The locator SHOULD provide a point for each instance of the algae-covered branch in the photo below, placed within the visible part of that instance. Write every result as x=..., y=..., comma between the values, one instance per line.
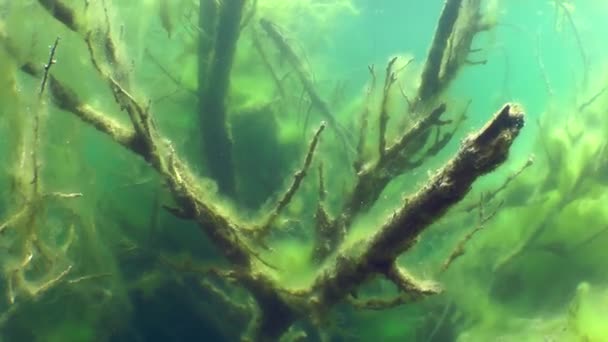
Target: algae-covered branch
x=311, y=199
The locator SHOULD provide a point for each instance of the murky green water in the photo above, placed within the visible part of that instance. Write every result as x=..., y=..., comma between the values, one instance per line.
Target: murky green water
x=224, y=170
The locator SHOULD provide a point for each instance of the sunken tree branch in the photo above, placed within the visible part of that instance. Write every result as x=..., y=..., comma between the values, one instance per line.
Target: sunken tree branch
x=458, y=24
x=214, y=85
x=280, y=307
x=298, y=177
x=460, y=21
x=479, y=154
x=316, y=100
x=445, y=27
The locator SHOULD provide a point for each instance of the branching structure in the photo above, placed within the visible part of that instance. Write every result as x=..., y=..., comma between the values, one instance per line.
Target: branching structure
x=459, y=23
x=316, y=101
x=34, y=265
x=241, y=243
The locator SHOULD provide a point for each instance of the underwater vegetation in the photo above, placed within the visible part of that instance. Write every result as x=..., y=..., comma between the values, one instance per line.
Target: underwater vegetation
x=303, y=170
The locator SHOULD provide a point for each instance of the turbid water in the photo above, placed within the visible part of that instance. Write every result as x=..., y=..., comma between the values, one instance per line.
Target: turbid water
x=303, y=170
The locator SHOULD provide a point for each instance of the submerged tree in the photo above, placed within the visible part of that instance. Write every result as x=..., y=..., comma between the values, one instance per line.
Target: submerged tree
x=342, y=261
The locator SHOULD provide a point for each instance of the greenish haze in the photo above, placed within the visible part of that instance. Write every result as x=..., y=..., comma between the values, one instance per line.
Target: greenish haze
x=91, y=255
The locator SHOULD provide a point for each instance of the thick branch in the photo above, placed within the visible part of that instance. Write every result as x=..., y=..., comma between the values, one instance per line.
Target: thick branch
x=430, y=75
x=459, y=23
x=406, y=283
x=213, y=92
x=62, y=12
x=66, y=99
x=479, y=154
x=207, y=22
x=409, y=288
x=372, y=180
x=181, y=182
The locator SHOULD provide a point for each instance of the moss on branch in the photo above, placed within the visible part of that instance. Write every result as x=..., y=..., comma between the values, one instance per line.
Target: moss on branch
x=298, y=177
x=279, y=307
x=66, y=99
x=479, y=154
x=33, y=265
x=372, y=179
x=460, y=21
x=430, y=74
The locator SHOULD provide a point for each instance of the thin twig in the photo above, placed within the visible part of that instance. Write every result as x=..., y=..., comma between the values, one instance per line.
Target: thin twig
x=308, y=84
x=589, y=102
x=409, y=288
x=380, y=303
x=440, y=322
x=588, y=240
x=389, y=80
x=541, y=66
x=52, y=281
x=13, y=219
x=409, y=102
x=295, y=184
x=322, y=190
x=415, y=131
x=459, y=250
x=258, y=46
x=489, y=196
x=188, y=266
x=326, y=233
x=579, y=42
x=49, y=64
x=166, y=72
x=358, y=164
x=63, y=195
x=88, y=277
x=36, y=145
